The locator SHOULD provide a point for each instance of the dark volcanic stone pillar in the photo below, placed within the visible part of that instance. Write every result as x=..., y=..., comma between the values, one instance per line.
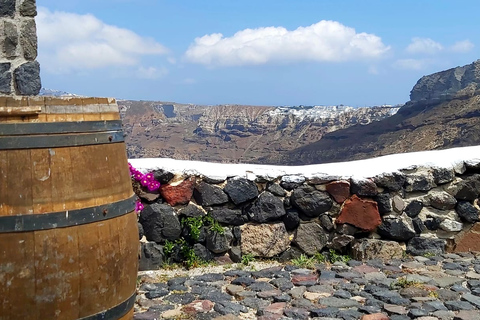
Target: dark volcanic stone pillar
x=19, y=72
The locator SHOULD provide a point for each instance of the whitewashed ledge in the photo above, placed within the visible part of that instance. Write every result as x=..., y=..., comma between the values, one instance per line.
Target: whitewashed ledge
x=455, y=158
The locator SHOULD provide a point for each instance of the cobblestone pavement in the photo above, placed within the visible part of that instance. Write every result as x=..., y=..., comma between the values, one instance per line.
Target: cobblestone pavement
x=424, y=288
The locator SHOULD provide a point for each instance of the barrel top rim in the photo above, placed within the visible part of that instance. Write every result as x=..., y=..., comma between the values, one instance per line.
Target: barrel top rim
x=23, y=101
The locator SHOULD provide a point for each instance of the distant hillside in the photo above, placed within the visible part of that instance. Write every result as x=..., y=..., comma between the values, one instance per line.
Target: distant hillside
x=443, y=112
x=56, y=93
x=232, y=133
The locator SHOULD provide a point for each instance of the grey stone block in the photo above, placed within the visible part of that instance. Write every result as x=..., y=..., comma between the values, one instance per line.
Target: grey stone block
x=5, y=78
x=7, y=8
x=28, y=40
x=28, y=8
x=10, y=41
x=27, y=79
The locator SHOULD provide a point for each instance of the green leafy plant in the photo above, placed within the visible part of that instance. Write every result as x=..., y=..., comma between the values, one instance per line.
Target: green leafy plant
x=333, y=256
x=190, y=258
x=404, y=283
x=168, y=248
x=194, y=225
x=405, y=255
x=139, y=281
x=319, y=257
x=304, y=261
x=247, y=258
x=213, y=224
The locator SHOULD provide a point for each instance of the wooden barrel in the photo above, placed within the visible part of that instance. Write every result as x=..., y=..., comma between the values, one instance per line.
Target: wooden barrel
x=68, y=230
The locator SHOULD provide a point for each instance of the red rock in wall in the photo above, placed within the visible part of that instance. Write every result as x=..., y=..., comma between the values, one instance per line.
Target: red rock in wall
x=178, y=194
x=339, y=190
x=360, y=213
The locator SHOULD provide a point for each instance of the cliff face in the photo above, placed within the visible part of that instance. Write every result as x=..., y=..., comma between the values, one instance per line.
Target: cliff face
x=232, y=133
x=280, y=122
x=444, y=112
x=456, y=83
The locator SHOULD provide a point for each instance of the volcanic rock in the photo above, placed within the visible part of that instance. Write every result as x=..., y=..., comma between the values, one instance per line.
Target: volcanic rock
x=264, y=240
x=310, y=238
x=160, y=223
x=364, y=187
x=241, y=190
x=360, y=213
x=311, y=202
x=178, y=194
x=399, y=229
x=208, y=195
x=339, y=190
x=366, y=249
x=467, y=212
x=418, y=246
x=265, y=208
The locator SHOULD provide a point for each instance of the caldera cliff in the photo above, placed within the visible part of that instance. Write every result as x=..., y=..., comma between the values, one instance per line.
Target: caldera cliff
x=443, y=112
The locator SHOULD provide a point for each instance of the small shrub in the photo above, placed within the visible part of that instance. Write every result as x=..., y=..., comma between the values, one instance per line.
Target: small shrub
x=247, y=258
x=319, y=257
x=194, y=226
x=191, y=259
x=213, y=224
x=168, y=248
x=333, y=256
x=404, y=283
x=304, y=261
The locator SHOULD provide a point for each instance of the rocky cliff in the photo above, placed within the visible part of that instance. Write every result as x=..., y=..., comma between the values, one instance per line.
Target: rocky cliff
x=232, y=133
x=456, y=83
x=444, y=112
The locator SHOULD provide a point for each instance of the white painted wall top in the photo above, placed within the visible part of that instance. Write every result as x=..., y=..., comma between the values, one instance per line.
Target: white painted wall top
x=451, y=158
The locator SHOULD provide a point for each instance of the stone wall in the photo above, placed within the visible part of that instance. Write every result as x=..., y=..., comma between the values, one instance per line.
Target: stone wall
x=420, y=209
x=19, y=72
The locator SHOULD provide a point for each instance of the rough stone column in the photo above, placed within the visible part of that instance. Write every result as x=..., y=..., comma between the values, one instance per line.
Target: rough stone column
x=19, y=72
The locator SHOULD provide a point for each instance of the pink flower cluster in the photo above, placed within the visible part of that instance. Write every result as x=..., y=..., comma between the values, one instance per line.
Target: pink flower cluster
x=139, y=206
x=146, y=180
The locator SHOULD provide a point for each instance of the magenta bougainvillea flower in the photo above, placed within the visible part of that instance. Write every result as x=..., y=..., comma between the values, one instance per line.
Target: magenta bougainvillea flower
x=139, y=206
x=149, y=176
x=146, y=180
x=138, y=175
x=153, y=185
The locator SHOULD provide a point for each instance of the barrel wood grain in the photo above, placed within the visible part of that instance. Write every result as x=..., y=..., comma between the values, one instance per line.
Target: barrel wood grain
x=72, y=272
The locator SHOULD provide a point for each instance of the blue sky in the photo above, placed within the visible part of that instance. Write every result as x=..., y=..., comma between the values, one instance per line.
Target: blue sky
x=268, y=52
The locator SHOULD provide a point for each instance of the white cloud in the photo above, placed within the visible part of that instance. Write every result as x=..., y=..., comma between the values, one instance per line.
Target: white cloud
x=462, y=46
x=323, y=41
x=412, y=64
x=73, y=42
x=424, y=46
x=151, y=72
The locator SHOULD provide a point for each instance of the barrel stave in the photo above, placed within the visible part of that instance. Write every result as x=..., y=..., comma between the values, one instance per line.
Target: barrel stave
x=75, y=271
